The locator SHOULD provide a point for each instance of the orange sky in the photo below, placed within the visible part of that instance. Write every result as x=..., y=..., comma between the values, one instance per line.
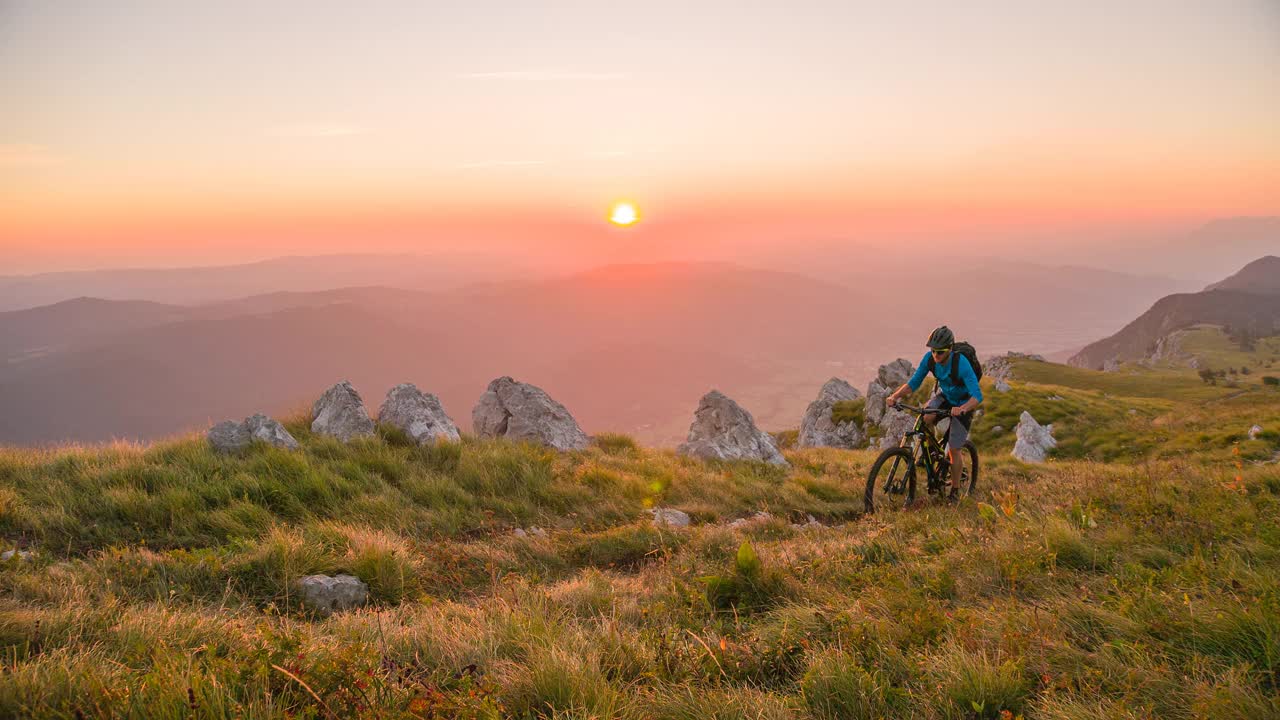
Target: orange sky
x=156, y=133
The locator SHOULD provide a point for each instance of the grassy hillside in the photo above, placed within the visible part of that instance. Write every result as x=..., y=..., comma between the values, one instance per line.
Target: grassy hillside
x=1148, y=587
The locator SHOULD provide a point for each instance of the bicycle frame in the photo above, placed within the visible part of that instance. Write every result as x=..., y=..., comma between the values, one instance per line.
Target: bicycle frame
x=926, y=450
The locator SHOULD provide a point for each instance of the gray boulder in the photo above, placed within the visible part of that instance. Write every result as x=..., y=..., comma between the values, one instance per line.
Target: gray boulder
x=522, y=412
x=888, y=378
x=21, y=555
x=267, y=430
x=229, y=436
x=340, y=412
x=327, y=595
x=722, y=429
x=894, y=425
x=1002, y=385
x=1034, y=440
x=420, y=415
x=670, y=517
x=818, y=430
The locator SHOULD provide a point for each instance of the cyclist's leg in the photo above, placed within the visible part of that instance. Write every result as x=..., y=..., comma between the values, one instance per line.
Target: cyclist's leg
x=957, y=435
x=938, y=401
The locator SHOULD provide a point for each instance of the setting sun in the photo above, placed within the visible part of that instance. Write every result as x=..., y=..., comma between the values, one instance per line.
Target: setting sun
x=624, y=214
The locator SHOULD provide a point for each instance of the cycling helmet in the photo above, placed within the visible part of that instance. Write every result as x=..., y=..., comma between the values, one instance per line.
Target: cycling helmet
x=941, y=338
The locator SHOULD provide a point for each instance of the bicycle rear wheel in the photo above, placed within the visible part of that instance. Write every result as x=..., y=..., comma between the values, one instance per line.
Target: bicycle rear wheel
x=891, y=482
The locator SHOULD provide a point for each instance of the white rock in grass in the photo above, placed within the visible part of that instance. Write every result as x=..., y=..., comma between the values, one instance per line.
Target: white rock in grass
x=1034, y=440
x=670, y=517
x=340, y=412
x=1002, y=385
x=269, y=431
x=327, y=595
x=520, y=411
x=229, y=436
x=21, y=555
x=1254, y=432
x=723, y=430
x=420, y=415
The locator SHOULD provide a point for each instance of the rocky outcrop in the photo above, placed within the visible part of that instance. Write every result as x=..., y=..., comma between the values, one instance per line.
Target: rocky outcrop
x=817, y=429
x=1034, y=440
x=420, y=415
x=340, y=412
x=522, y=412
x=723, y=430
x=888, y=378
x=326, y=595
x=887, y=424
x=229, y=436
x=1000, y=367
x=269, y=431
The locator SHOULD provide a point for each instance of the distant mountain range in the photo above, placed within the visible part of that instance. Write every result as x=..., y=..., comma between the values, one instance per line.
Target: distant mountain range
x=190, y=285
x=626, y=347
x=1248, y=299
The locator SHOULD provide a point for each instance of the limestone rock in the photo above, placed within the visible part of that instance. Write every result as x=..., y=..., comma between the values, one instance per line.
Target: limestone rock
x=1002, y=385
x=894, y=425
x=817, y=428
x=670, y=517
x=1034, y=440
x=327, y=595
x=533, y=532
x=340, y=412
x=888, y=378
x=229, y=436
x=267, y=430
x=722, y=429
x=997, y=429
x=420, y=415
x=523, y=412
x=21, y=555
x=1254, y=432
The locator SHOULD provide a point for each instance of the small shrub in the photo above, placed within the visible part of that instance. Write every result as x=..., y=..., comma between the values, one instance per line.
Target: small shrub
x=1270, y=380
x=849, y=411
x=749, y=586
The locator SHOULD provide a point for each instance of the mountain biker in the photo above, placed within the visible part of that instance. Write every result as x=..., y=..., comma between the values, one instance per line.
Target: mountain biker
x=960, y=395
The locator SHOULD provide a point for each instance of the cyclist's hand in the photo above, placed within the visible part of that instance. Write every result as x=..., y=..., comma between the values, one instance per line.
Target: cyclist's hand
x=957, y=411
x=891, y=402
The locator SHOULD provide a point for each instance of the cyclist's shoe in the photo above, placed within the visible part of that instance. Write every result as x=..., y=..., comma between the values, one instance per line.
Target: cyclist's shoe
x=952, y=492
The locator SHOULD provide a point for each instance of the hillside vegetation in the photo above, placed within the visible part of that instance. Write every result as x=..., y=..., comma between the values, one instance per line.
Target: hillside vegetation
x=160, y=584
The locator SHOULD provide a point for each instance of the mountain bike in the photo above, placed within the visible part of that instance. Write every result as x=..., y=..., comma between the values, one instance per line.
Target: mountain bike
x=892, y=480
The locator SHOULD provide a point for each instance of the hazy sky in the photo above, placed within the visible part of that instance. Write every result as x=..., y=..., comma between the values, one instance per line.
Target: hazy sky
x=176, y=131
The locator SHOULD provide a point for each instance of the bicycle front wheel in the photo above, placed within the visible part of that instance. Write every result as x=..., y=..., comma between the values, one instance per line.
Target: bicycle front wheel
x=892, y=481
x=969, y=480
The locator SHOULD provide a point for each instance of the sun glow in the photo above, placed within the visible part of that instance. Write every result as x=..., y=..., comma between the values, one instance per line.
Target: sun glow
x=624, y=214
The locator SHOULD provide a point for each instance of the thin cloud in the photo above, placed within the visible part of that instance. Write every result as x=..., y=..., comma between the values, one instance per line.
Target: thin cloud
x=484, y=164
x=541, y=75
x=316, y=130
x=27, y=155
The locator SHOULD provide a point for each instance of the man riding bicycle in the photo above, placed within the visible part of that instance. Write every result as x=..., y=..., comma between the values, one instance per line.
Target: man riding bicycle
x=958, y=392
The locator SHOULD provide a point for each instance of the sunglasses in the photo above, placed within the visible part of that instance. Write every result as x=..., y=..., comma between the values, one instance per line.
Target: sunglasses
x=941, y=352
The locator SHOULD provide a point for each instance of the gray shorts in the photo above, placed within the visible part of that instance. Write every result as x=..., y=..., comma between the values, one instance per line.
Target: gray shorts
x=959, y=424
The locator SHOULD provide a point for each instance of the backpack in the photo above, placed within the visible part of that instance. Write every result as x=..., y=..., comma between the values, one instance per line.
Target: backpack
x=967, y=350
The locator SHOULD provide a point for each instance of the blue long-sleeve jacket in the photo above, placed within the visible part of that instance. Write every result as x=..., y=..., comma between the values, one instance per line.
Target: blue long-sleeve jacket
x=955, y=394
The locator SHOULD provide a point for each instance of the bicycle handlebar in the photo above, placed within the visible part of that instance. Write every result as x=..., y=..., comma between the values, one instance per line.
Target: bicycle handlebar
x=921, y=411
